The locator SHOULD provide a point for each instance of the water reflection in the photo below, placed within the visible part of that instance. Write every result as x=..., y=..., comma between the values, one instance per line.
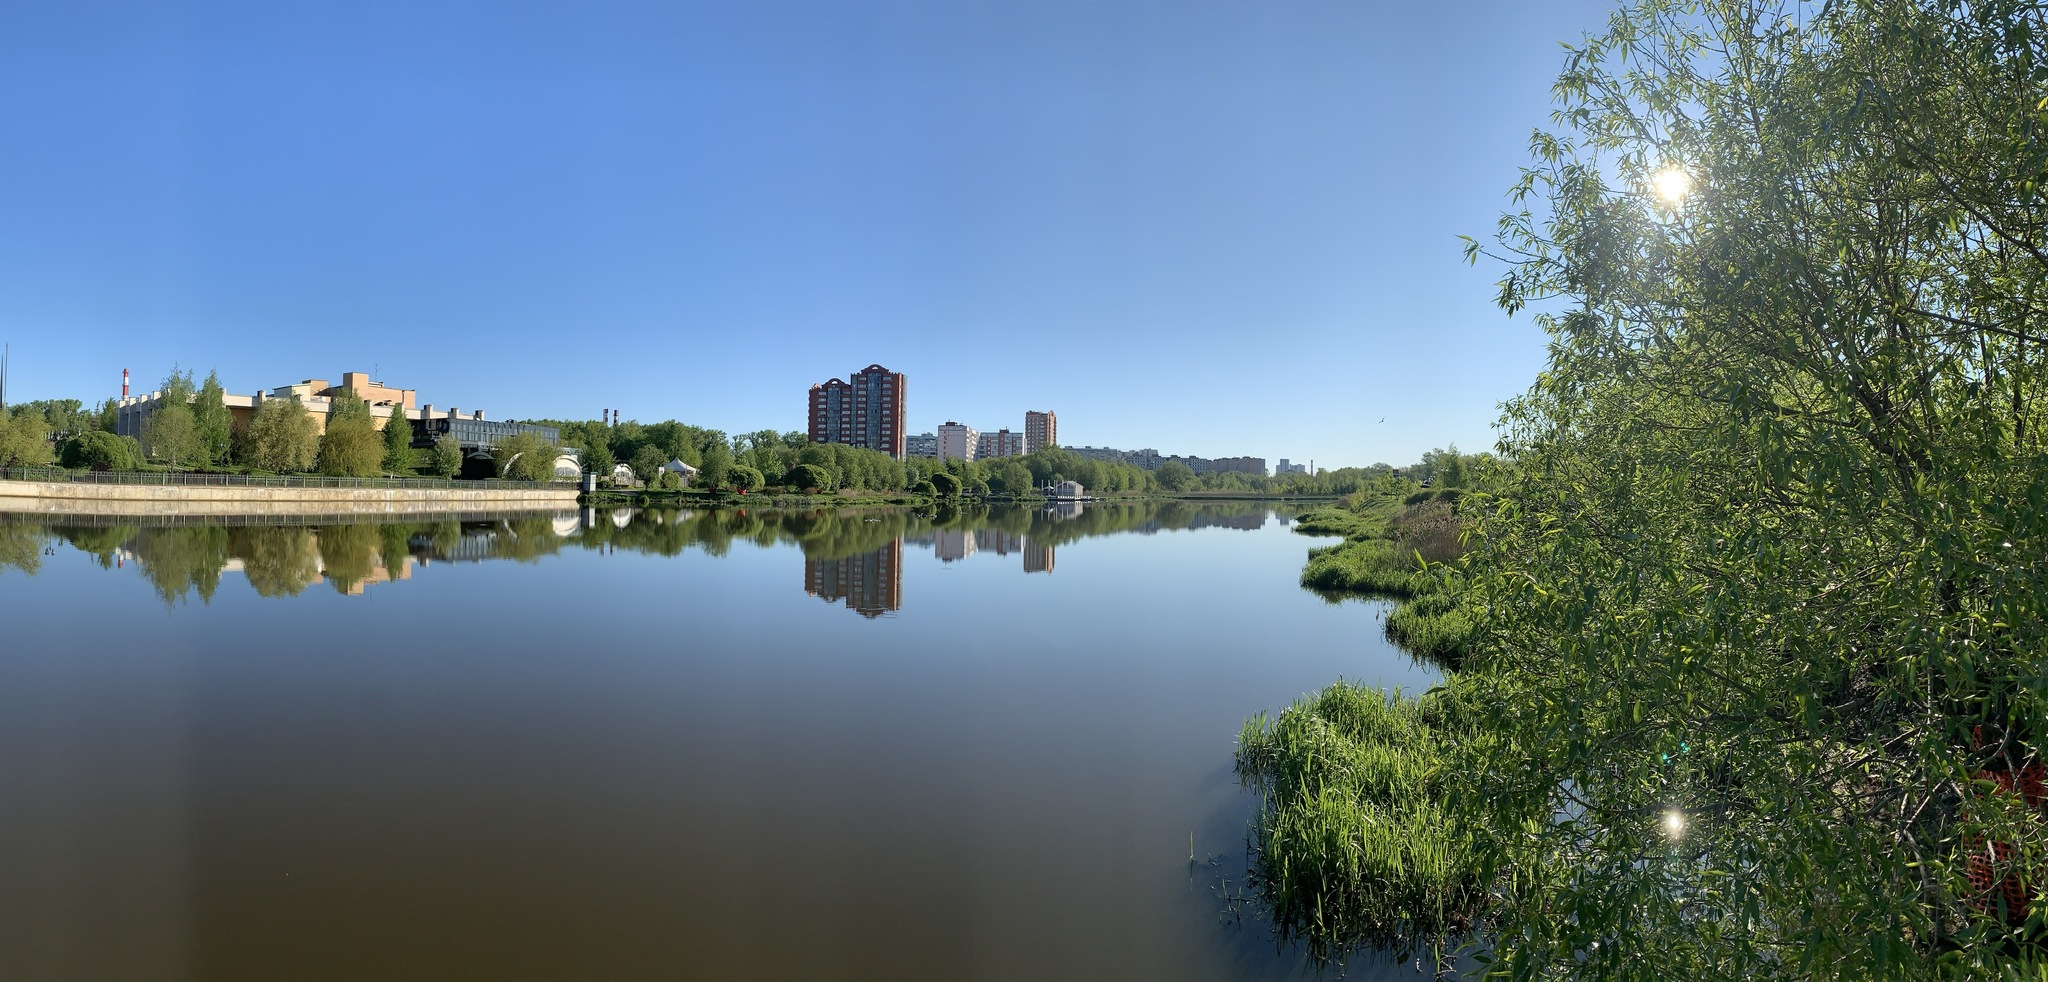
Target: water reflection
x=853, y=556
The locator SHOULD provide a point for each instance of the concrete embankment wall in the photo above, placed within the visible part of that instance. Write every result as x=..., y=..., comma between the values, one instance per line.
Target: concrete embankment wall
x=58, y=497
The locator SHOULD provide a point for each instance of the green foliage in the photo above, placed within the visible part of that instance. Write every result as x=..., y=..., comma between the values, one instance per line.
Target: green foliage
x=171, y=436
x=945, y=485
x=1174, y=476
x=526, y=457
x=808, y=477
x=647, y=463
x=281, y=436
x=745, y=478
x=1353, y=845
x=715, y=469
x=351, y=447
x=397, y=435
x=445, y=460
x=671, y=481
x=101, y=450
x=214, y=423
x=1754, y=627
x=598, y=459
x=24, y=438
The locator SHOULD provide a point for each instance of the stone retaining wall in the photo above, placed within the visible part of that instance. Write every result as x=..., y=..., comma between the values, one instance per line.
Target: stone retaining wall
x=62, y=497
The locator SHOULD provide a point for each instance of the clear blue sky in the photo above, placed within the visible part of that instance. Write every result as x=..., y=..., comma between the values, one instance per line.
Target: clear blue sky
x=1208, y=228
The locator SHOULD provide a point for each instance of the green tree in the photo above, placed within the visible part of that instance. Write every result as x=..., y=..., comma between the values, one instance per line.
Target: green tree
x=647, y=463
x=746, y=478
x=808, y=477
x=716, y=467
x=598, y=459
x=171, y=436
x=398, y=455
x=1173, y=476
x=109, y=416
x=946, y=485
x=281, y=436
x=446, y=457
x=101, y=450
x=526, y=456
x=351, y=447
x=210, y=417
x=1763, y=630
x=24, y=438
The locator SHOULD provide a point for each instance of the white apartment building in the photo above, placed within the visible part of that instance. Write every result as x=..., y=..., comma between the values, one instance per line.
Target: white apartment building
x=956, y=440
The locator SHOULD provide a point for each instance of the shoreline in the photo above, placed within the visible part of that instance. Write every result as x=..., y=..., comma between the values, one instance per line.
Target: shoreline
x=55, y=497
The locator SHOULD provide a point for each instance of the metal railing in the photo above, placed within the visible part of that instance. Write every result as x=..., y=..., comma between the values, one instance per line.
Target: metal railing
x=199, y=479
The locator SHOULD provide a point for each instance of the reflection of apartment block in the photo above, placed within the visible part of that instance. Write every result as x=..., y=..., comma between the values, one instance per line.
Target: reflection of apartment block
x=870, y=583
x=921, y=445
x=957, y=441
x=997, y=541
x=952, y=545
x=1037, y=557
x=864, y=411
x=1001, y=443
x=1041, y=430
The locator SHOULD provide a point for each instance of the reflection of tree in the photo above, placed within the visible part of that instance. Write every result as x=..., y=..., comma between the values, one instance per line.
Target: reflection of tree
x=280, y=562
x=349, y=553
x=181, y=560
x=21, y=546
x=99, y=542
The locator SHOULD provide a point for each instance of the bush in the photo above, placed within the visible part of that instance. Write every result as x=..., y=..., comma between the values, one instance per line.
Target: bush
x=809, y=477
x=102, y=451
x=945, y=485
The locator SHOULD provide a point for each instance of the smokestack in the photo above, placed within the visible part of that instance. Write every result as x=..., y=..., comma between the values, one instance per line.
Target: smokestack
x=124, y=383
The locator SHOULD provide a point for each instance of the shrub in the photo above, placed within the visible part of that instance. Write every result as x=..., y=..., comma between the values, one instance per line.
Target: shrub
x=102, y=451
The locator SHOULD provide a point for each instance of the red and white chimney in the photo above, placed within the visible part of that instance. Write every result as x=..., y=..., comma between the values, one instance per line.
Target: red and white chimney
x=124, y=383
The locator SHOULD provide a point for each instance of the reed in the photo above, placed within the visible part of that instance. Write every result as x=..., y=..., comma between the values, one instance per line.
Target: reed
x=1349, y=848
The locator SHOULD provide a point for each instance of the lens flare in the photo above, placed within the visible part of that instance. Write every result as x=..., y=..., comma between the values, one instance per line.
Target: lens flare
x=1672, y=184
x=1674, y=823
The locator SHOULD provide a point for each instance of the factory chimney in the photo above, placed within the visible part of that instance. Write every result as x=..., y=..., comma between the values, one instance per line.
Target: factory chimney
x=124, y=383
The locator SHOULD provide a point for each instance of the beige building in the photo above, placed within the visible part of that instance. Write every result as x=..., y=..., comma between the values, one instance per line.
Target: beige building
x=315, y=394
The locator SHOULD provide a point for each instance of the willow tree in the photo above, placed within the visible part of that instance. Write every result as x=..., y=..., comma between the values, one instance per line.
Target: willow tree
x=1767, y=632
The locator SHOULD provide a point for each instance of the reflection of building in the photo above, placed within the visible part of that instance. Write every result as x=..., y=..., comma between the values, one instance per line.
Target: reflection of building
x=1001, y=443
x=871, y=583
x=997, y=541
x=957, y=441
x=866, y=411
x=1041, y=430
x=953, y=544
x=1037, y=557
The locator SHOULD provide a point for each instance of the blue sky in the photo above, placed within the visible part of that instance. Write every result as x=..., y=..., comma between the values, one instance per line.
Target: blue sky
x=1208, y=228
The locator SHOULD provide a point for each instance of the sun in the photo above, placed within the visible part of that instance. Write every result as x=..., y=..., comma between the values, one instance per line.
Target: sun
x=1672, y=184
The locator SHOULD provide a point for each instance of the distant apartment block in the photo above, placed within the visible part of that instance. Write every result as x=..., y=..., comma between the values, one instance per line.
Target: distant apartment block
x=1041, y=430
x=1151, y=460
x=865, y=411
x=1001, y=443
x=921, y=445
x=958, y=441
x=1283, y=467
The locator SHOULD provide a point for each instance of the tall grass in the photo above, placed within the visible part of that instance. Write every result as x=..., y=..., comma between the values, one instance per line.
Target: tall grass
x=1349, y=848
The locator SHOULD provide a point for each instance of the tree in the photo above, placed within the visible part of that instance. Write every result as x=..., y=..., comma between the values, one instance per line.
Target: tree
x=746, y=478
x=808, y=477
x=24, y=438
x=398, y=455
x=1175, y=476
x=647, y=463
x=526, y=456
x=281, y=436
x=171, y=436
x=210, y=417
x=716, y=467
x=1762, y=636
x=946, y=485
x=351, y=447
x=598, y=459
x=446, y=457
x=109, y=416
x=101, y=450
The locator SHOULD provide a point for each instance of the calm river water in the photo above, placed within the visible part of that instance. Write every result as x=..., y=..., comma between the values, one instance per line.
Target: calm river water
x=654, y=745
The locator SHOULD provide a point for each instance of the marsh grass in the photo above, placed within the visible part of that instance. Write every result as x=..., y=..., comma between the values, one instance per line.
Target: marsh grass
x=1349, y=848
x=1399, y=548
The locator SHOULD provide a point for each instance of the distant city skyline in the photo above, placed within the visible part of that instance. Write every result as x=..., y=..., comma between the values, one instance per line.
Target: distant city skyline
x=690, y=211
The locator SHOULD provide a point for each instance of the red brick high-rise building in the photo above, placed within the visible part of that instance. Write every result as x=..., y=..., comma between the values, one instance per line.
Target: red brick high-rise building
x=866, y=411
x=1041, y=430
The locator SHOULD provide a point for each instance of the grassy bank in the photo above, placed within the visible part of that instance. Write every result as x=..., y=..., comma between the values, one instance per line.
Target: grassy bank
x=1397, y=547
